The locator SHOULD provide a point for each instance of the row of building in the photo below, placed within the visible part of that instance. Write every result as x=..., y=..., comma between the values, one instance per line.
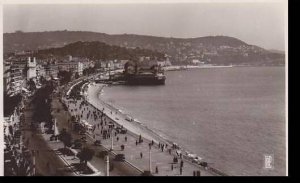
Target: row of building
x=18, y=71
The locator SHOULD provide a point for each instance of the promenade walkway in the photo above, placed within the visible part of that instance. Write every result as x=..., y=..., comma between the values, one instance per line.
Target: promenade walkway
x=62, y=117
x=162, y=160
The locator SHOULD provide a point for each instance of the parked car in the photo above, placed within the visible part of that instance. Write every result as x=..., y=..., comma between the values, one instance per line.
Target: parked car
x=97, y=143
x=123, y=131
x=120, y=157
x=128, y=118
x=203, y=163
x=77, y=144
x=197, y=160
x=191, y=156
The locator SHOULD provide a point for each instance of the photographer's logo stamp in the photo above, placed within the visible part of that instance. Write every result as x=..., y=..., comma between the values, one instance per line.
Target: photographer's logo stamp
x=269, y=161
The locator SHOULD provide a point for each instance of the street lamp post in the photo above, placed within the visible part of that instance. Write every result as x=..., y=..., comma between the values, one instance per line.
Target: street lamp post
x=112, y=140
x=150, y=168
x=33, y=162
x=107, y=165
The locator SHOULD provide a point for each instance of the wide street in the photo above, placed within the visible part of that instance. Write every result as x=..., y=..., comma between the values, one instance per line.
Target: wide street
x=44, y=154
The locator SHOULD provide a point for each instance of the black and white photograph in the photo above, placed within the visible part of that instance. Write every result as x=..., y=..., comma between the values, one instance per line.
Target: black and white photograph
x=139, y=88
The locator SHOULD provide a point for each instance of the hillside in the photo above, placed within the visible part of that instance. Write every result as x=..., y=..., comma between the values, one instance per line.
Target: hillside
x=210, y=49
x=98, y=50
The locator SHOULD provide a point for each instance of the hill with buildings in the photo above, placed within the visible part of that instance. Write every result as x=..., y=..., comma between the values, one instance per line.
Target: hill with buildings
x=210, y=49
x=98, y=51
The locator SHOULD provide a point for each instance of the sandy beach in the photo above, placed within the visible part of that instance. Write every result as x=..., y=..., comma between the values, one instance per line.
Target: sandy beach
x=93, y=96
x=162, y=157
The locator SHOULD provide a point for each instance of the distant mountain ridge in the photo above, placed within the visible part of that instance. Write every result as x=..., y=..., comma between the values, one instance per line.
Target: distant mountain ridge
x=210, y=49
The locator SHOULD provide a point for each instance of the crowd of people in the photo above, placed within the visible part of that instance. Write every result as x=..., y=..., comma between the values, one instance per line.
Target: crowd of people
x=81, y=109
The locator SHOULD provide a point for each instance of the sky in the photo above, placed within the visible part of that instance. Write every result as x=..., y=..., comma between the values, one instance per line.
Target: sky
x=260, y=24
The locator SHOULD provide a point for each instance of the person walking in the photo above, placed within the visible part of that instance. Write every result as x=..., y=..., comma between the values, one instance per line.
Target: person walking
x=125, y=138
x=156, y=170
x=48, y=165
x=172, y=167
x=141, y=154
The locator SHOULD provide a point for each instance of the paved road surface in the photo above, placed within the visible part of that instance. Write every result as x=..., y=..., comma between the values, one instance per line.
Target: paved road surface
x=45, y=154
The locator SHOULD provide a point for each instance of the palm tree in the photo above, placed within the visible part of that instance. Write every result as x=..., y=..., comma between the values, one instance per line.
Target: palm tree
x=85, y=155
x=66, y=138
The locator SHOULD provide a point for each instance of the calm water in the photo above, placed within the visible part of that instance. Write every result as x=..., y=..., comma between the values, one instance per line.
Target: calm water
x=231, y=117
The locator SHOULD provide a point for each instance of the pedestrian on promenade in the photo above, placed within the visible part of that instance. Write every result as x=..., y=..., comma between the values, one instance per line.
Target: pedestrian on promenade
x=141, y=154
x=172, y=167
x=181, y=164
x=125, y=138
x=136, y=142
x=180, y=170
x=48, y=165
x=156, y=169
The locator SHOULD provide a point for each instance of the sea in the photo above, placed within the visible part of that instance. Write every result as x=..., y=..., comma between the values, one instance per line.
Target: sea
x=233, y=118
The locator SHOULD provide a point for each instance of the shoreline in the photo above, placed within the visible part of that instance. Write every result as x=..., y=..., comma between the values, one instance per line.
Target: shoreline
x=188, y=67
x=157, y=138
x=135, y=122
x=139, y=125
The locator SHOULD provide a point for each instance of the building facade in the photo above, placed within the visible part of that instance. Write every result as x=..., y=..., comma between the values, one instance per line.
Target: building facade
x=6, y=77
x=31, y=72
